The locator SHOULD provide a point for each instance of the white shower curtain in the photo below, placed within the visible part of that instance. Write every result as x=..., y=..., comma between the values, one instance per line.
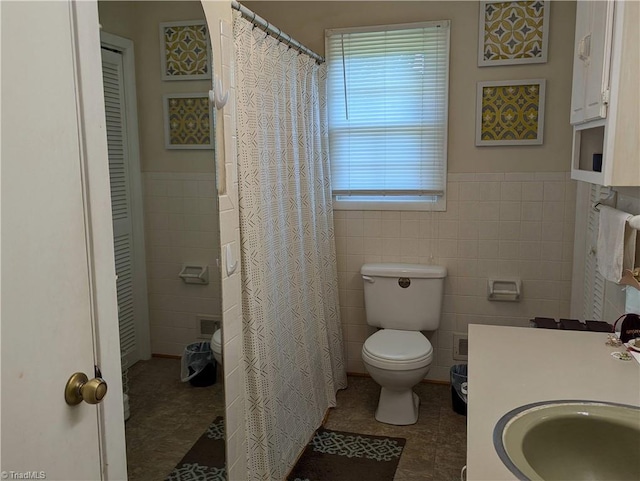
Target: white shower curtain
x=292, y=337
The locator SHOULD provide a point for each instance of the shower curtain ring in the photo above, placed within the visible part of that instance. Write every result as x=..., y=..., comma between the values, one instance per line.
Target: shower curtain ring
x=279, y=33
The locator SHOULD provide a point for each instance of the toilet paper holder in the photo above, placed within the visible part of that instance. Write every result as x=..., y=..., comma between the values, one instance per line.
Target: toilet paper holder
x=191, y=274
x=504, y=290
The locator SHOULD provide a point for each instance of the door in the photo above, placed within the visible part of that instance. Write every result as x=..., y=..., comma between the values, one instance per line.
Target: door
x=583, y=28
x=594, y=29
x=126, y=200
x=58, y=282
x=597, y=81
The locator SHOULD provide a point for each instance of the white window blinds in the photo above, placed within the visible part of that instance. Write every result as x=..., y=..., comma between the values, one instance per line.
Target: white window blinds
x=387, y=99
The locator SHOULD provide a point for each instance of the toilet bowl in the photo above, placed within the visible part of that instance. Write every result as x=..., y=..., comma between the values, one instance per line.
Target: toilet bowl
x=216, y=346
x=401, y=300
x=397, y=361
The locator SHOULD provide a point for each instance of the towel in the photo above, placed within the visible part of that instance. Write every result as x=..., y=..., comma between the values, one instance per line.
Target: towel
x=616, y=249
x=634, y=354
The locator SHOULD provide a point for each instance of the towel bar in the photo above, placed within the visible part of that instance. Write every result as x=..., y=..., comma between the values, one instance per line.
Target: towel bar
x=634, y=221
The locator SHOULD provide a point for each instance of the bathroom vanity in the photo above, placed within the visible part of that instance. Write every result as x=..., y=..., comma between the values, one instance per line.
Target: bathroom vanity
x=510, y=367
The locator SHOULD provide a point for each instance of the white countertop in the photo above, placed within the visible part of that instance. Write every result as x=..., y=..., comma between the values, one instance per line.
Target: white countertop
x=513, y=366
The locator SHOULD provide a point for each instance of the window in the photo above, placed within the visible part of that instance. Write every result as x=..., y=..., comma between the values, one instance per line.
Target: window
x=387, y=100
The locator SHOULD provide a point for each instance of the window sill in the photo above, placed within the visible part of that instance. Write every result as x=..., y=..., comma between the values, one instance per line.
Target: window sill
x=439, y=206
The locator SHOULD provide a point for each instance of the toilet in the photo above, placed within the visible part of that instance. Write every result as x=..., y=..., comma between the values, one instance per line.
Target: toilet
x=216, y=346
x=402, y=300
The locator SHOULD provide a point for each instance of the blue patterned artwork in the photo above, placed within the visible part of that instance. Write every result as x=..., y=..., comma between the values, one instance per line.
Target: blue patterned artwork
x=185, y=52
x=510, y=112
x=188, y=121
x=513, y=32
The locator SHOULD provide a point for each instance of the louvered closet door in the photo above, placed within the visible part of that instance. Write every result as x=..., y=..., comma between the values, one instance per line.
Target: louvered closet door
x=594, y=283
x=112, y=73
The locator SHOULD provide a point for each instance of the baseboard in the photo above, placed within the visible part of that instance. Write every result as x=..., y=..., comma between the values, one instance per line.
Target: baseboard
x=357, y=374
x=425, y=381
x=166, y=356
x=435, y=381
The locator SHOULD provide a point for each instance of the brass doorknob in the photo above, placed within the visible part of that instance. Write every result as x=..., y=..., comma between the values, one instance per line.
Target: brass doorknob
x=79, y=388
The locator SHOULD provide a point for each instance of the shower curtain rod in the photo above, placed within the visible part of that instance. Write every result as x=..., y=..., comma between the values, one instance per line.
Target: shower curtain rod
x=274, y=31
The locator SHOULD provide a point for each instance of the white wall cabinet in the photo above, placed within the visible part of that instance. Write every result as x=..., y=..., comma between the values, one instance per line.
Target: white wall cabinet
x=594, y=29
x=605, y=103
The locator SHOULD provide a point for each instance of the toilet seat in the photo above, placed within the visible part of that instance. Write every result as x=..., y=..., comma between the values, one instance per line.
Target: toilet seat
x=216, y=341
x=216, y=345
x=397, y=350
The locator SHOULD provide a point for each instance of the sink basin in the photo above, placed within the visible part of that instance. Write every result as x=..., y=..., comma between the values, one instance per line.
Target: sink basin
x=570, y=440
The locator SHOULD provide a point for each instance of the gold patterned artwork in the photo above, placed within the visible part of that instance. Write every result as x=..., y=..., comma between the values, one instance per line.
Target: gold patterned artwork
x=510, y=112
x=188, y=122
x=185, y=55
x=513, y=32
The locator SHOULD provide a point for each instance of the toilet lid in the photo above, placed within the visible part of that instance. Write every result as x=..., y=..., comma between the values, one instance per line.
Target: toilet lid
x=393, y=349
x=216, y=339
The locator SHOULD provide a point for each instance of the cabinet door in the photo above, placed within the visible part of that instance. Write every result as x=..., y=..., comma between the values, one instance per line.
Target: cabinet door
x=583, y=29
x=599, y=50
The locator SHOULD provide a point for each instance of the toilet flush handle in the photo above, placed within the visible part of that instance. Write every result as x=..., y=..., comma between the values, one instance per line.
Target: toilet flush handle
x=368, y=279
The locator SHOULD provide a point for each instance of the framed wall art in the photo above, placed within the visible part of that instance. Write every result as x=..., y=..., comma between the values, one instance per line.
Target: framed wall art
x=185, y=52
x=512, y=33
x=188, y=121
x=510, y=112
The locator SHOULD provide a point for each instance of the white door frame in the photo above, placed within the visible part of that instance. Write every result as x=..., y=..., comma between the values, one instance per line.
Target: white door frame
x=125, y=47
x=86, y=43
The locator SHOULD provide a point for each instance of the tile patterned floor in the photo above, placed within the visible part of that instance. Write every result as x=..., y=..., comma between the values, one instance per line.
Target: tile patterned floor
x=436, y=444
x=167, y=417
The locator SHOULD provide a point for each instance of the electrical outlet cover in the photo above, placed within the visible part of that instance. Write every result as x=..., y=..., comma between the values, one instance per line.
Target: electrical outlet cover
x=460, y=346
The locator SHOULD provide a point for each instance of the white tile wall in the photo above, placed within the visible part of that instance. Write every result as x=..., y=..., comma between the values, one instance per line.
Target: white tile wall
x=231, y=284
x=499, y=224
x=181, y=228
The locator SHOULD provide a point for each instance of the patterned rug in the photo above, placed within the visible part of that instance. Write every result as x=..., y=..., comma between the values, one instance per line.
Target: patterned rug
x=340, y=456
x=205, y=461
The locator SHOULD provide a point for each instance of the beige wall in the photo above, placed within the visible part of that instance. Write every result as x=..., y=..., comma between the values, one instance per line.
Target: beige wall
x=139, y=21
x=118, y=18
x=180, y=204
x=306, y=22
x=510, y=210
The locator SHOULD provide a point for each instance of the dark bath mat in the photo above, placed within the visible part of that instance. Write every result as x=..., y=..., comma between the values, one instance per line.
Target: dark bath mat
x=341, y=456
x=206, y=459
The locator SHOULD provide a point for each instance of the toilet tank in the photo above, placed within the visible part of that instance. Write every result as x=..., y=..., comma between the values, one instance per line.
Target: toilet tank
x=403, y=296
